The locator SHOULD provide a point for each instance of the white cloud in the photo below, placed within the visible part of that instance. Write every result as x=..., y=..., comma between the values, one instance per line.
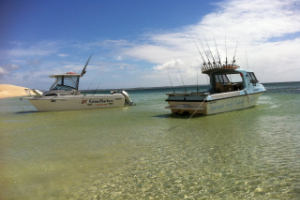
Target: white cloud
x=63, y=55
x=256, y=22
x=7, y=69
x=43, y=48
x=172, y=64
x=3, y=71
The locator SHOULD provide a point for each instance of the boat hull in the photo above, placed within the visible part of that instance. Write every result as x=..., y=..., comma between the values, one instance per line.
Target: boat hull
x=77, y=103
x=214, y=106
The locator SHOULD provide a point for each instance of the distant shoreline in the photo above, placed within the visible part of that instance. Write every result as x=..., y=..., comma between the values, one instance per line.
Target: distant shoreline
x=7, y=90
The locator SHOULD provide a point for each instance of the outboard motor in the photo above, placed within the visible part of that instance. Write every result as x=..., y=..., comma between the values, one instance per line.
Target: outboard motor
x=127, y=99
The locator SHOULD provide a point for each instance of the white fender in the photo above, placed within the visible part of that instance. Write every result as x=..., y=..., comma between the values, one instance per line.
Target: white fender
x=37, y=92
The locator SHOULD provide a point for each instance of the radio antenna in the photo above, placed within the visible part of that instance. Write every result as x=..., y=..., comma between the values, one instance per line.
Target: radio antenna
x=233, y=61
x=217, y=51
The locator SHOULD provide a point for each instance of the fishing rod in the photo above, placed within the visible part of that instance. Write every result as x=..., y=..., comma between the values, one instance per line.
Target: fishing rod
x=247, y=61
x=233, y=61
x=182, y=80
x=209, y=64
x=170, y=81
x=86, y=64
x=217, y=51
x=197, y=80
x=90, y=85
x=226, y=51
x=204, y=63
x=210, y=52
x=98, y=86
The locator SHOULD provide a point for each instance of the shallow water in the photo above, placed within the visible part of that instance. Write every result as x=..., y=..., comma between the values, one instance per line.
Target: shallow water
x=144, y=152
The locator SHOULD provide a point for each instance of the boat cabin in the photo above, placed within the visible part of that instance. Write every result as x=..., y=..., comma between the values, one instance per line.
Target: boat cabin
x=64, y=84
x=229, y=79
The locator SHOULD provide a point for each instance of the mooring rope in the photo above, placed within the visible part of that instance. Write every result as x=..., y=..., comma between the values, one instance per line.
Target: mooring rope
x=198, y=108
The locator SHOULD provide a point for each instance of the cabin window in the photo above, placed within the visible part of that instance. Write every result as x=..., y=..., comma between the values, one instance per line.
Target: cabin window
x=70, y=81
x=252, y=77
x=225, y=79
x=221, y=78
x=60, y=81
x=235, y=78
x=217, y=79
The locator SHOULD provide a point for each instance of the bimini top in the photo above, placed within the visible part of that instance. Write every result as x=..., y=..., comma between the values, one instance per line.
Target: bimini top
x=207, y=69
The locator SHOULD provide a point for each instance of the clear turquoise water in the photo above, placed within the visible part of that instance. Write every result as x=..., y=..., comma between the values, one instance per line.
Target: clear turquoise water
x=144, y=152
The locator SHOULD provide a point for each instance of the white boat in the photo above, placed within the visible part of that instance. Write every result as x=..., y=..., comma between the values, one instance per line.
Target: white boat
x=231, y=88
x=64, y=95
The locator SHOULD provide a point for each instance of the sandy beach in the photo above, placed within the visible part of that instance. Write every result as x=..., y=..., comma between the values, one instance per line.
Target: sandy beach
x=11, y=91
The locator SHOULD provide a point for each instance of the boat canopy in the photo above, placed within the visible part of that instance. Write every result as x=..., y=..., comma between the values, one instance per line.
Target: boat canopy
x=65, y=81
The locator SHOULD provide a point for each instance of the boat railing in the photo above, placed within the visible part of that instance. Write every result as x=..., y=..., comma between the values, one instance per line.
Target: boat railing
x=207, y=68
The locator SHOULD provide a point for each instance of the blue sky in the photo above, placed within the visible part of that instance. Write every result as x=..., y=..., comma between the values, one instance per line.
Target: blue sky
x=134, y=42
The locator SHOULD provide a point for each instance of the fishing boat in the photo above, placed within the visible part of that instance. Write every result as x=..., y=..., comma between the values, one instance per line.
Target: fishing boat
x=64, y=94
x=231, y=88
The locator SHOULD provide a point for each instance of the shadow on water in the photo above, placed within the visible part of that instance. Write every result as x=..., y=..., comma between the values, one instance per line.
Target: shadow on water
x=27, y=112
x=179, y=116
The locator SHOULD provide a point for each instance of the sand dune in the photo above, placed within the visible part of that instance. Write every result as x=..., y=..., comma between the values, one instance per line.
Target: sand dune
x=11, y=91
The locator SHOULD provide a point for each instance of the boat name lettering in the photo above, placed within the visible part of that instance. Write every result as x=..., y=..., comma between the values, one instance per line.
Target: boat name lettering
x=83, y=101
x=101, y=101
x=216, y=107
x=239, y=102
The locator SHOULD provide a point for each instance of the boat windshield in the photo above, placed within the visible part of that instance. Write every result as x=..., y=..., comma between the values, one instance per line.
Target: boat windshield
x=66, y=82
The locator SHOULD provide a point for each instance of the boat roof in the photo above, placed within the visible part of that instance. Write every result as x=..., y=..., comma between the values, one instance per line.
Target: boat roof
x=70, y=74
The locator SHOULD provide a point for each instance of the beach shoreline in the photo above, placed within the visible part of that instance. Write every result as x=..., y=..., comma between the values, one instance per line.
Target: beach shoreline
x=7, y=90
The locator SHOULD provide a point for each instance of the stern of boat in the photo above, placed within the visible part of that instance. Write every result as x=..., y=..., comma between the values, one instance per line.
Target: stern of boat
x=191, y=103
